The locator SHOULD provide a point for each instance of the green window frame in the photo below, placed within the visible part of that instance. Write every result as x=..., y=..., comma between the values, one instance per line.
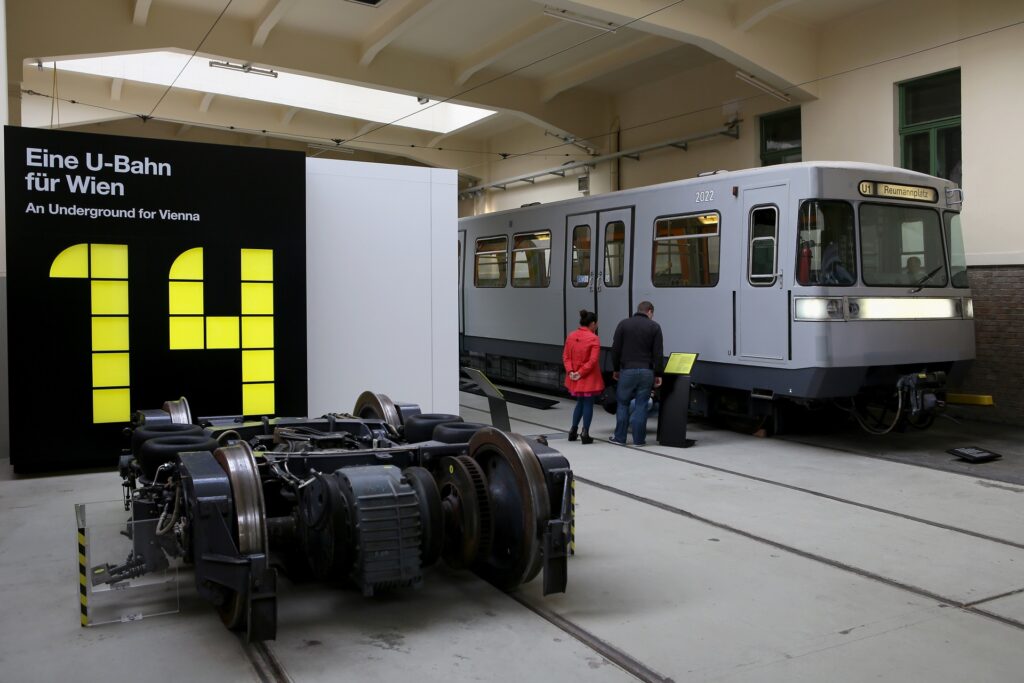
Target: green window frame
x=775, y=147
x=932, y=144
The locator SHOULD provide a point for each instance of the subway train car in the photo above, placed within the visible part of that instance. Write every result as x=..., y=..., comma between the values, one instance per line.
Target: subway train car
x=815, y=283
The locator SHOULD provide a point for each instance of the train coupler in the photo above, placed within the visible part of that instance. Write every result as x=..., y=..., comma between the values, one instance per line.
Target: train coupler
x=923, y=393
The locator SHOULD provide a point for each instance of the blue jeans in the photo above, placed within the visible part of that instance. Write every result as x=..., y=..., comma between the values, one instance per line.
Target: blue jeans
x=634, y=383
x=584, y=409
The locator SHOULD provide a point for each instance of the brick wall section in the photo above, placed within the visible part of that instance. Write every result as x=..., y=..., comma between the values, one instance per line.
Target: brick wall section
x=999, y=333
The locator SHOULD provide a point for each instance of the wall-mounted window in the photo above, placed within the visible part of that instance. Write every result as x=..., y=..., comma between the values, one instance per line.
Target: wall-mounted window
x=531, y=259
x=826, y=251
x=929, y=125
x=781, y=141
x=491, y=262
x=581, y=256
x=614, y=253
x=686, y=251
x=764, y=235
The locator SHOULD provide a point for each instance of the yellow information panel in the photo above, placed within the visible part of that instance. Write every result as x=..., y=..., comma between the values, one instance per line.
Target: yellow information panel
x=680, y=363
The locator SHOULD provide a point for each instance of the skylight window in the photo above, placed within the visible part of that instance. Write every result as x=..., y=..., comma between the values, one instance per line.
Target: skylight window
x=293, y=90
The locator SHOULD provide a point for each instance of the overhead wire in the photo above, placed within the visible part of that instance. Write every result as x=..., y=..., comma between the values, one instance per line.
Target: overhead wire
x=187, y=62
x=503, y=156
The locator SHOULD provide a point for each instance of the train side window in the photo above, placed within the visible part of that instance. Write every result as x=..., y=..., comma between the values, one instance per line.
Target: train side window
x=686, y=251
x=955, y=244
x=581, y=256
x=825, y=252
x=531, y=259
x=491, y=262
x=764, y=233
x=614, y=253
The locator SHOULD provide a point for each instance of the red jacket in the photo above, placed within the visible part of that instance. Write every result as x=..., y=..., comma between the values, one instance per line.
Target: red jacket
x=581, y=354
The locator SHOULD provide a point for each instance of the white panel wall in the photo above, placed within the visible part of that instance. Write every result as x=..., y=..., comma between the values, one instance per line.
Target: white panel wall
x=382, y=284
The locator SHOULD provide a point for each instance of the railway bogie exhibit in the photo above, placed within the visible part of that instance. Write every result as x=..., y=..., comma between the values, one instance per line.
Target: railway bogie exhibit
x=370, y=499
x=811, y=283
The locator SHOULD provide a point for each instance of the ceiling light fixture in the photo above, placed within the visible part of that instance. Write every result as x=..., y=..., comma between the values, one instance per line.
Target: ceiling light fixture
x=572, y=17
x=762, y=86
x=247, y=67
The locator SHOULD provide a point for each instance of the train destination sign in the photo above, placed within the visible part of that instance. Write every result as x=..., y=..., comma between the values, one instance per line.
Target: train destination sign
x=912, y=193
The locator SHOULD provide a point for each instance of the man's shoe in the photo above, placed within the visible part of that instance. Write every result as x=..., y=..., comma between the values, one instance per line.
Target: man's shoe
x=640, y=444
x=572, y=434
x=612, y=439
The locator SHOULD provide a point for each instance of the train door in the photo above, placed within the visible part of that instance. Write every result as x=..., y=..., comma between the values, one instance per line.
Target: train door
x=761, y=321
x=580, y=268
x=613, y=268
x=462, y=277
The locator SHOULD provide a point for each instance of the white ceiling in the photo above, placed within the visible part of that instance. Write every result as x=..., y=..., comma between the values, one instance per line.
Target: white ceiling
x=501, y=54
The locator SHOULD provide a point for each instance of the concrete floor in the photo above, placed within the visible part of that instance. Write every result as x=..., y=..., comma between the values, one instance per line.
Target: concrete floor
x=740, y=559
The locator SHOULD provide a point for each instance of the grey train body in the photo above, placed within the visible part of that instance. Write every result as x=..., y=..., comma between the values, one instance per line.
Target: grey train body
x=770, y=323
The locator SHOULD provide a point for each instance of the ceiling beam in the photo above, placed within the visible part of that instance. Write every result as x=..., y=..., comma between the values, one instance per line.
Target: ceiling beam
x=394, y=26
x=140, y=12
x=272, y=13
x=115, y=88
x=288, y=115
x=182, y=129
x=204, y=105
x=746, y=14
x=504, y=45
x=588, y=70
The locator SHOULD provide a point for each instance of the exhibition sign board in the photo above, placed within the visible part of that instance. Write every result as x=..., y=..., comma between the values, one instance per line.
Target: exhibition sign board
x=143, y=270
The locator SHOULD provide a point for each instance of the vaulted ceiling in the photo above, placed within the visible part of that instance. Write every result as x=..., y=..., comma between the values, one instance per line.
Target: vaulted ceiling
x=516, y=57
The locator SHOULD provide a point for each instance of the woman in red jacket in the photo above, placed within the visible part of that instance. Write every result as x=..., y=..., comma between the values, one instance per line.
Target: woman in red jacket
x=583, y=373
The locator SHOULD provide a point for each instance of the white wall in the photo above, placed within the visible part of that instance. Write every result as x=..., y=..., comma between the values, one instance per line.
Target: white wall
x=855, y=117
x=382, y=290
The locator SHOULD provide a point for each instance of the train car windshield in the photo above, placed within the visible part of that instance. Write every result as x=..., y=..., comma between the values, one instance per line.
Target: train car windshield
x=826, y=254
x=901, y=245
x=957, y=256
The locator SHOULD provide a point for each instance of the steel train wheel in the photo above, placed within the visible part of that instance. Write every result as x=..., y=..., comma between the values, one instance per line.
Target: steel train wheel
x=250, y=519
x=371, y=405
x=179, y=411
x=467, y=511
x=520, y=504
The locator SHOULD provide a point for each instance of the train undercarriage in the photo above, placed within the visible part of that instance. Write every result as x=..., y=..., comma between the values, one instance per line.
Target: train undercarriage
x=371, y=499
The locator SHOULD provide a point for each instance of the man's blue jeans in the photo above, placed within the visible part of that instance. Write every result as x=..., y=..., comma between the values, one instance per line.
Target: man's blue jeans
x=634, y=383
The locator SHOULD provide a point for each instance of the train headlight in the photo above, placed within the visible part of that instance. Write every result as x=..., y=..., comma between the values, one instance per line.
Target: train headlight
x=819, y=308
x=903, y=308
x=968, y=308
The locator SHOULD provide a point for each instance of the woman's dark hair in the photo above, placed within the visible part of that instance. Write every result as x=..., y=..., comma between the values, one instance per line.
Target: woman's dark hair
x=587, y=317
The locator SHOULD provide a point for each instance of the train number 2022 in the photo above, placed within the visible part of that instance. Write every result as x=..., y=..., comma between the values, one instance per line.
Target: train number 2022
x=705, y=196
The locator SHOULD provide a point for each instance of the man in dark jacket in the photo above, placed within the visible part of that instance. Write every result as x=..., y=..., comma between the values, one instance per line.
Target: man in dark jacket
x=637, y=357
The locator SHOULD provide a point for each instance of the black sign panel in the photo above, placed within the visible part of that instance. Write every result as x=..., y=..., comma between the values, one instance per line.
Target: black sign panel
x=144, y=270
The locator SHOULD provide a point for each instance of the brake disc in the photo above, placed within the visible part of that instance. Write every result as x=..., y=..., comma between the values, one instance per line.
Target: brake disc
x=519, y=505
x=467, y=511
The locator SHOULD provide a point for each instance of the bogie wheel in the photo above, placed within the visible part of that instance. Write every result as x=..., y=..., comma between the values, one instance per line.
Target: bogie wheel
x=520, y=507
x=370, y=405
x=250, y=523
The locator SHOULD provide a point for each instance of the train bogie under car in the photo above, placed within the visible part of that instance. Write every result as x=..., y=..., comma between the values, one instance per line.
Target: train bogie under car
x=371, y=499
x=810, y=282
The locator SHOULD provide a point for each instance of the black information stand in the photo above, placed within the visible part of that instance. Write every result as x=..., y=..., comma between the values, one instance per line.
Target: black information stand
x=495, y=399
x=675, y=401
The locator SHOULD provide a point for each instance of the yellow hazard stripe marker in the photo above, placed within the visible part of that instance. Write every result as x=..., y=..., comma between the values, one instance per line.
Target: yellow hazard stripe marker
x=970, y=399
x=83, y=586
